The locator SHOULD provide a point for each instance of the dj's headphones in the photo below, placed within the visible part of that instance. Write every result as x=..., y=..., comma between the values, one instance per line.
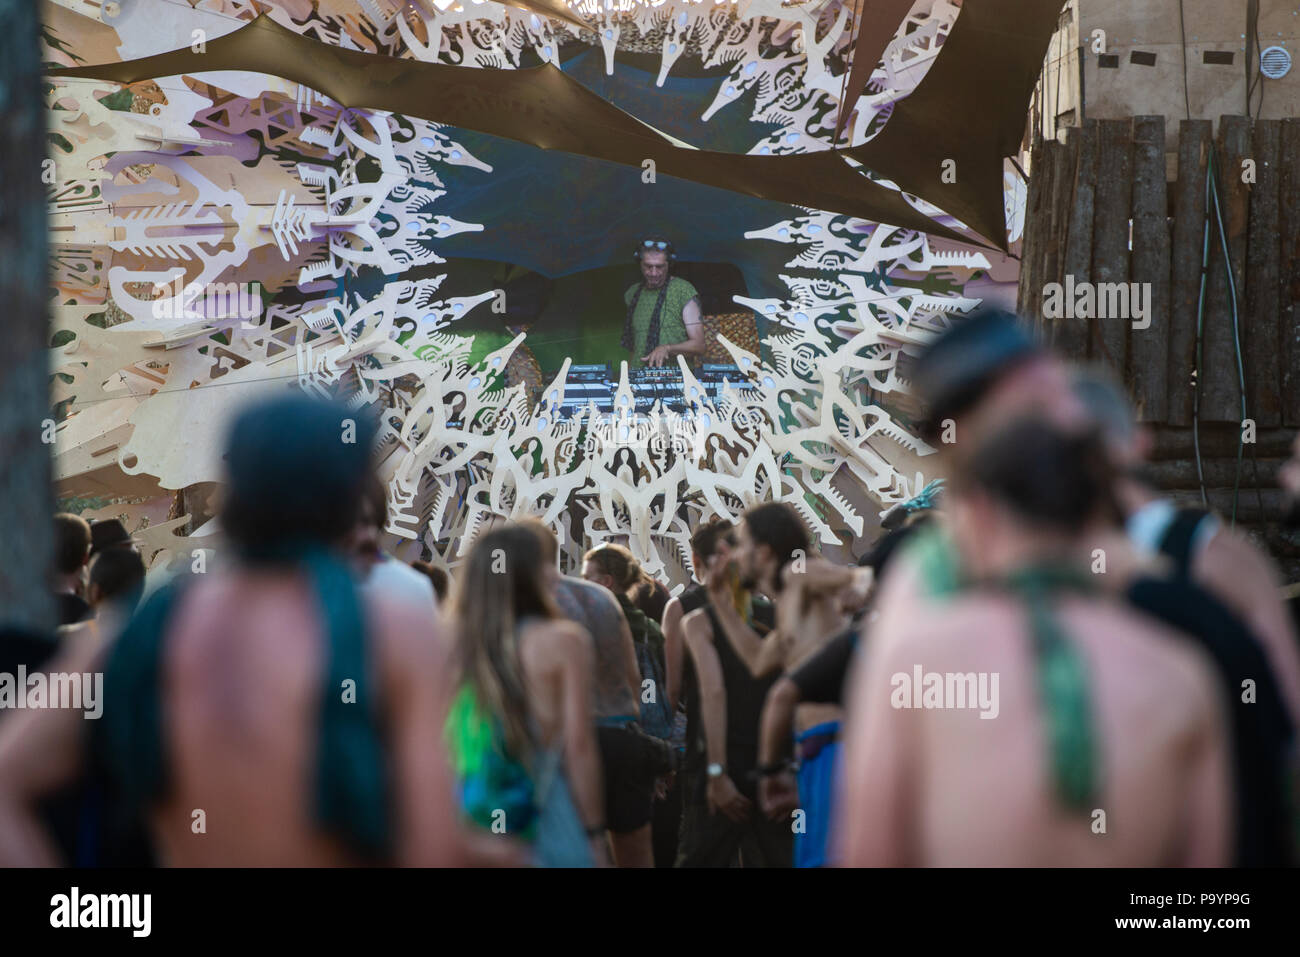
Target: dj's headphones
x=660, y=244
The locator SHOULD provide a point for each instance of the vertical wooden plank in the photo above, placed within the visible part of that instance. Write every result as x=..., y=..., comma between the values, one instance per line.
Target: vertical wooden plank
x=1150, y=268
x=1051, y=170
x=1260, y=327
x=1289, y=269
x=1029, y=293
x=1072, y=334
x=1110, y=238
x=1059, y=223
x=1185, y=255
x=1220, y=388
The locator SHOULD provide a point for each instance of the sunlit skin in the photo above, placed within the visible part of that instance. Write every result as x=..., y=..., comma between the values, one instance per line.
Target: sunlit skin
x=654, y=270
x=945, y=788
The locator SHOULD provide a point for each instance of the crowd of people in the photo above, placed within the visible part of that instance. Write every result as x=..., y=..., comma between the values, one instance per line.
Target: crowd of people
x=1041, y=661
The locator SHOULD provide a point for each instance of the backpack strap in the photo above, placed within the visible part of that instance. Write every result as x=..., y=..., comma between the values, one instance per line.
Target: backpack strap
x=352, y=787
x=1179, y=538
x=130, y=734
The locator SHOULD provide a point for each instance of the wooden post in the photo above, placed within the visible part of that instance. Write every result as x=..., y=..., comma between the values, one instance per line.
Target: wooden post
x=1072, y=334
x=1110, y=236
x=1149, y=346
x=1220, y=387
x=1260, y=330
x=1289, y=269
x=26, y=528
x=1185, y=255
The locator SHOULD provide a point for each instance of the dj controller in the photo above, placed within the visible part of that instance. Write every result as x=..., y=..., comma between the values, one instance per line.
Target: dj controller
x=599, y=383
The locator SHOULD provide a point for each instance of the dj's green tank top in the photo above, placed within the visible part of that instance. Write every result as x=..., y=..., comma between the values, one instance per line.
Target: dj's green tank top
x=1061, y=671
x=351, y=786
x=672, y=327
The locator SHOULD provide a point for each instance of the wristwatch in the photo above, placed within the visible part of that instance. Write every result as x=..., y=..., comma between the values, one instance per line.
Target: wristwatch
x=716, y=770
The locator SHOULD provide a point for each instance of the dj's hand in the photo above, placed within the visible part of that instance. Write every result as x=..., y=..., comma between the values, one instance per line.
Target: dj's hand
x=657, y=357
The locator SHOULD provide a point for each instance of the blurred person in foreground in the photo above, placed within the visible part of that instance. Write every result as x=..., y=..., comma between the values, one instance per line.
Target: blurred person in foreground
x=520, y=728
x=1289, y=479
x=1196, y=544
x=987, y=371
x=1104, y=743
x=300, y=718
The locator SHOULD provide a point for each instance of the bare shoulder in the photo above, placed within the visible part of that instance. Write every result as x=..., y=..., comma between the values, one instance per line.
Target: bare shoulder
x=1143, y=645
x=1230, y=553
x=931, y=626
x=556, y=638
x=697, y=624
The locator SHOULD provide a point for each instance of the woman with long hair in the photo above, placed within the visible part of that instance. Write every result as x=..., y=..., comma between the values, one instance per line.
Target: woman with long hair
x=519, y=730
x=616, y=568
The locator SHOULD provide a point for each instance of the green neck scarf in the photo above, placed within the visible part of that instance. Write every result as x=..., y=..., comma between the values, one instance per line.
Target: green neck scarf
x=1061, y=671
x=1062, y=679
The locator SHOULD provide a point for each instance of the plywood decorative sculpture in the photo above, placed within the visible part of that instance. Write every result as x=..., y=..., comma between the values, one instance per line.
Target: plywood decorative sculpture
x=319, y=229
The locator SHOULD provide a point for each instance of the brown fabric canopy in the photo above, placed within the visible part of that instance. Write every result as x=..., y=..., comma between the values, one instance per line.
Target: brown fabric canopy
x=971, y=108
x=877, y=22
x=547, y=108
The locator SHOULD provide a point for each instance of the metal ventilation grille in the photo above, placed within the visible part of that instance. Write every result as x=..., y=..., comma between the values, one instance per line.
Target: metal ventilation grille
x=1275, y=62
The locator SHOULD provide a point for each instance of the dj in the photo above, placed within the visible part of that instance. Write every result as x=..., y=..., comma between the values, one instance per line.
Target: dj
x=663, y=312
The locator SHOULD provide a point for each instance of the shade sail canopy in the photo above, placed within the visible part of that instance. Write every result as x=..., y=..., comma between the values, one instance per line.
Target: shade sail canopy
x=546, y=108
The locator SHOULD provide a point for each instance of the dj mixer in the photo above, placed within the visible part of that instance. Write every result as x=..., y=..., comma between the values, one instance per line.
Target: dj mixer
x=599, y=383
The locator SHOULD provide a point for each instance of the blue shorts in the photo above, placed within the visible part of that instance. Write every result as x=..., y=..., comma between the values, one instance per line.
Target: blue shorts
x=819, y=752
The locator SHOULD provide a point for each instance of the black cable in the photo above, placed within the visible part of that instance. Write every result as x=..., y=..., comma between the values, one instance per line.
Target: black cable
x=1259, y=70
x=1182, y=30
x=1252, y=11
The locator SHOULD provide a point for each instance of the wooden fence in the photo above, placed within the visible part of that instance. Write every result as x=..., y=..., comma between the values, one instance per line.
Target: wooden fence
x=1108, y=206
x=1100, y=211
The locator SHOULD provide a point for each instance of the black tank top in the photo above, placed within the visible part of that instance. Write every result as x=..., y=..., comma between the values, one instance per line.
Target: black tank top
x=694, y=598
x=745, y=698
x=1261, y=730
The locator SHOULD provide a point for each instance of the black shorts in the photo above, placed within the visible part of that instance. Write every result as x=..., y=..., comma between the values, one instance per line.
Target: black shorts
x=629, y=781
